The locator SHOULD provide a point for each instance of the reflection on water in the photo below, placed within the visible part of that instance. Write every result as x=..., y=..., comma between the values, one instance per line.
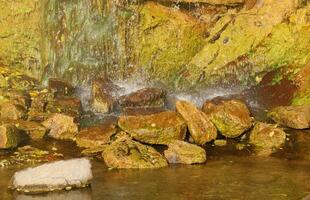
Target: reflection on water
x=83, y=194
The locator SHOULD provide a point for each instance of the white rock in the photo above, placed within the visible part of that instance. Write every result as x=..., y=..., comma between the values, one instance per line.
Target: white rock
x=74, y=173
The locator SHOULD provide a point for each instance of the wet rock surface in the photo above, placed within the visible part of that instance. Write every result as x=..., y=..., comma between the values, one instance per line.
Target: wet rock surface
x=185, y=153
x=67, y=105
x=159, y=128
x=267, y=138
x=61, y=127
x=297, y=117
x=199, y=124
x=126, y=153
x=60, y=87
x=231, y=118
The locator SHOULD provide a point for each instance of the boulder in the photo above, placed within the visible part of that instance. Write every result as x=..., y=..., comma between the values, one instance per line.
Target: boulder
x=231, y=118
x=104, y=93
x=96, y=136
x=10, y=136
x=159, y=128
x=200, y=127
x=16, y=97
x=40, y=100
x=126, y=153
x=185, y=153
x=297, y=117
x=266, y=138
x=12, y=111
x=61, y=126
x=66, y=105
x=55, y=176
x=34, y=130
x=144, y=98
x=60, y=87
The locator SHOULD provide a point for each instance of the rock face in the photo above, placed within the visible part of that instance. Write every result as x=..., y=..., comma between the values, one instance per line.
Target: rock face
x=297, y=117
x=266, y=138
x=61, y=127
x=103, y=95
x=148, y=97
x=159, y=128
x=126, y=153
x=200, y=127
x=231, y=118
x=59, y=175
x=185, y=153
x=96, y=136
x=10, y=137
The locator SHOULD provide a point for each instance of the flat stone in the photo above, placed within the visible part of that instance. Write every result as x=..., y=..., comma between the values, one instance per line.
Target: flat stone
x=147, y=97
x=200, y=127
x=159, y=128
x=231, y=117
x=61, y=127
x=126, y=153
x=96, y=136
x=297, y=117
x=185, y=153
x=267, y=138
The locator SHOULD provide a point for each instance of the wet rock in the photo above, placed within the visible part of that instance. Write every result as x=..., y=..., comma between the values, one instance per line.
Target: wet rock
x=29, y=155
x=10, y=136
x=231, y=118
x=297, y=117
x=65, y=105
x=126, y=153
x=9, y=110
x=147, y=97
x=159, y=128
x=60, y=87
x=200, y=127
x=54, y=176
x=104, y=93
x=185, y=153
x=267, y=138
x=96, y=136
x=61, y=127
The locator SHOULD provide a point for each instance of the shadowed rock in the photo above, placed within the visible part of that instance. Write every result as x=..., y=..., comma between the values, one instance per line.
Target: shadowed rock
x=60, y=87
x=159, y=128
x=61, y=127
x=200, y=127
x=297, y=117
x=68, y=106
x=33, y=129
x=59, y=175
x=126, y=153
x=147, y=97
x=10, y=137
x=266, y=138
x=185, y=153
x=231, y=118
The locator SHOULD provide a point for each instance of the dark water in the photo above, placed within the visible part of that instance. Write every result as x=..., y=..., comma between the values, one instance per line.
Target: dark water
x=228, y=174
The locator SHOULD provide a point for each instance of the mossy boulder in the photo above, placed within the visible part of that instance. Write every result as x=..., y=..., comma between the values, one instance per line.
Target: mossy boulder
x=267, y=138
x=126, y=153
x=10, y=136
x=297, y=117
x=185, y=153
x=61, y=127
x=199, y=124
x=95, y=136
x=159, y=128
x=231, y=117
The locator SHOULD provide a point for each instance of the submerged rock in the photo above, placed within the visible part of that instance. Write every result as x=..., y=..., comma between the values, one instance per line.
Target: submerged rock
x=10, y=136
x=60, y=87
x=61, y=127
x=200, y=127
x=185, y=153
x=59, y=175
x=159, y=128
x=297, y=117
x=231, y=118
x=96, y=136
x=103, y=95
x=147, y=97
x=126, y=153
x=267, y=138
